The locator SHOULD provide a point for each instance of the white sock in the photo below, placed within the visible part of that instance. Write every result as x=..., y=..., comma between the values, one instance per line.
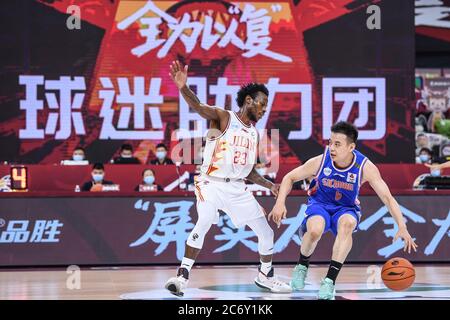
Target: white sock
x=265, y=267
x=187, y=263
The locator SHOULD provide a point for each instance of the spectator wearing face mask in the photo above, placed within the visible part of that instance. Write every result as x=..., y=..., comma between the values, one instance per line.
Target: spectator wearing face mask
x=98, y=175
x=436, y=168
x=425, y=156
x=78, y=157
x=126, y=156
x=148, y=181
x=79, y=154
x=161, y=155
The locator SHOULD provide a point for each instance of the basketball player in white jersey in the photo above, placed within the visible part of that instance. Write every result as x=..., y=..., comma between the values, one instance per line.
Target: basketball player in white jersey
x=229, y=158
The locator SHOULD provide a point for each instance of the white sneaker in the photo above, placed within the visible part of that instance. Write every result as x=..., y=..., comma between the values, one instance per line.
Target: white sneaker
x=271, y=283
x=177, y=284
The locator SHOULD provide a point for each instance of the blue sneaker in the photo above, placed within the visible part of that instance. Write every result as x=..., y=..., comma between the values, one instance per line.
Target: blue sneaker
x=326, y=291
x=298, y=277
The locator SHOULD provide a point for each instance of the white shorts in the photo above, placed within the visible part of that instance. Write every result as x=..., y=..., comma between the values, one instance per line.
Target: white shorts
x=231, y=197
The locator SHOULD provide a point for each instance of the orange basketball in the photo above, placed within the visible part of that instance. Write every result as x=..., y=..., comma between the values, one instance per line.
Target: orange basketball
x=398, y=274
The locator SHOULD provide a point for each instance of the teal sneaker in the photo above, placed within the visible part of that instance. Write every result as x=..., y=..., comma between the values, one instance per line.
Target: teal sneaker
x=298, y=277
x=326, y=291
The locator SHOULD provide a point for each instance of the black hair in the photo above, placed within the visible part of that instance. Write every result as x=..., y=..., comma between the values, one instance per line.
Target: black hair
x=80, y=148
x=146, y=170
x=161, y=145
x=346, y=128
x=250, y=89
x=421, y=135
x=126, y=146
x=98, y=166
x=426, y=150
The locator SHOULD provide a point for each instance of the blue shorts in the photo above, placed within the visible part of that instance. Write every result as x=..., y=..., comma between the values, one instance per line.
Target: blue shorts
x=331, y=213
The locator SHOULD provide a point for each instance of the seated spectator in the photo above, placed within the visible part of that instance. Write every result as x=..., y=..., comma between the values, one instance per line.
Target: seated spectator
x=78, y=157
x=425, y=156
x=148, y=182
x=436, y=168
x=97, y=182
x=126, y=156
x=161, y=155
x=422, y=141
x=435, y=179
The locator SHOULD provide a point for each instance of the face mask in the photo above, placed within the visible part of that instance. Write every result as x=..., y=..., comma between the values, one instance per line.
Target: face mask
x=149, y=179
x=161, y=154
x=78, y=157
x=261, y=171
x=97, y=177
x=126, y=155
x=424, y=157
x=436, y=173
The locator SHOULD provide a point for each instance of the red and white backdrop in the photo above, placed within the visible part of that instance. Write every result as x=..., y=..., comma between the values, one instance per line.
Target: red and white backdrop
x=107, y=82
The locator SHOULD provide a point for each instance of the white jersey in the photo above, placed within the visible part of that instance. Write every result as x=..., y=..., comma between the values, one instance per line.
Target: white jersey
x=233, y=153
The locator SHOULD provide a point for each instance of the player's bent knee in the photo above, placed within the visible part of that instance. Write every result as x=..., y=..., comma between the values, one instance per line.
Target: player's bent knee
x=346, y=224
x=315, y=234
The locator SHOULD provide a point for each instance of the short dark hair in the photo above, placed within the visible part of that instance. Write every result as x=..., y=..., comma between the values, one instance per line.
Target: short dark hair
x=148, y=169
x=426, y=150
x=79, y=148
x=421, y=135
x=126, y=146
x=98, y=166
x=161, y=145
x=250, y=89
x=346, y=128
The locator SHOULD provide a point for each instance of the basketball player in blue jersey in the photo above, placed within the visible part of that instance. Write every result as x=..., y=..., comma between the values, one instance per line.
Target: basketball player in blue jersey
x=333, y=203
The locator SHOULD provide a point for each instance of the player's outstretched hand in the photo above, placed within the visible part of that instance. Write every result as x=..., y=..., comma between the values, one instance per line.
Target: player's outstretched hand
x=275, y=189
x=277, y=214
x=178, y=73
x=407, y=239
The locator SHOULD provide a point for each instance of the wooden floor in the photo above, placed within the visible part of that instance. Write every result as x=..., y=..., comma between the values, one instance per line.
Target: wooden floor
x=217, y=282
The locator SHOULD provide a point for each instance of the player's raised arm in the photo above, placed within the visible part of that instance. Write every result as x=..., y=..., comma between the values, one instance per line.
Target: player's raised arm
x=307, y=170
x=178, y=73
x=372, y=175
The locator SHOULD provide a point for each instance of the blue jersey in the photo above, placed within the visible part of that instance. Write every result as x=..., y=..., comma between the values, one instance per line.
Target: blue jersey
x=338, y=187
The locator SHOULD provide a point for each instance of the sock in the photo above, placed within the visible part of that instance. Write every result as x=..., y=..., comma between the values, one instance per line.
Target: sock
x=266, y=267
x=187, y=263
x=303, y=260
x=333, y=270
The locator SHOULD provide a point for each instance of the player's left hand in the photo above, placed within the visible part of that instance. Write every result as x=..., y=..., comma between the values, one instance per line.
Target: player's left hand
x=275, y=189
x=407, y=239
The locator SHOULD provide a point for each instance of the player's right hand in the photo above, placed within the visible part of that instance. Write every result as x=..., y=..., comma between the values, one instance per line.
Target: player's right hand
x=278, y=213
x=178, y=74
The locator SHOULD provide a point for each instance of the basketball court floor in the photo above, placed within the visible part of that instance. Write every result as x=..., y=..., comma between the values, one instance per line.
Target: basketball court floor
x=355, y=282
